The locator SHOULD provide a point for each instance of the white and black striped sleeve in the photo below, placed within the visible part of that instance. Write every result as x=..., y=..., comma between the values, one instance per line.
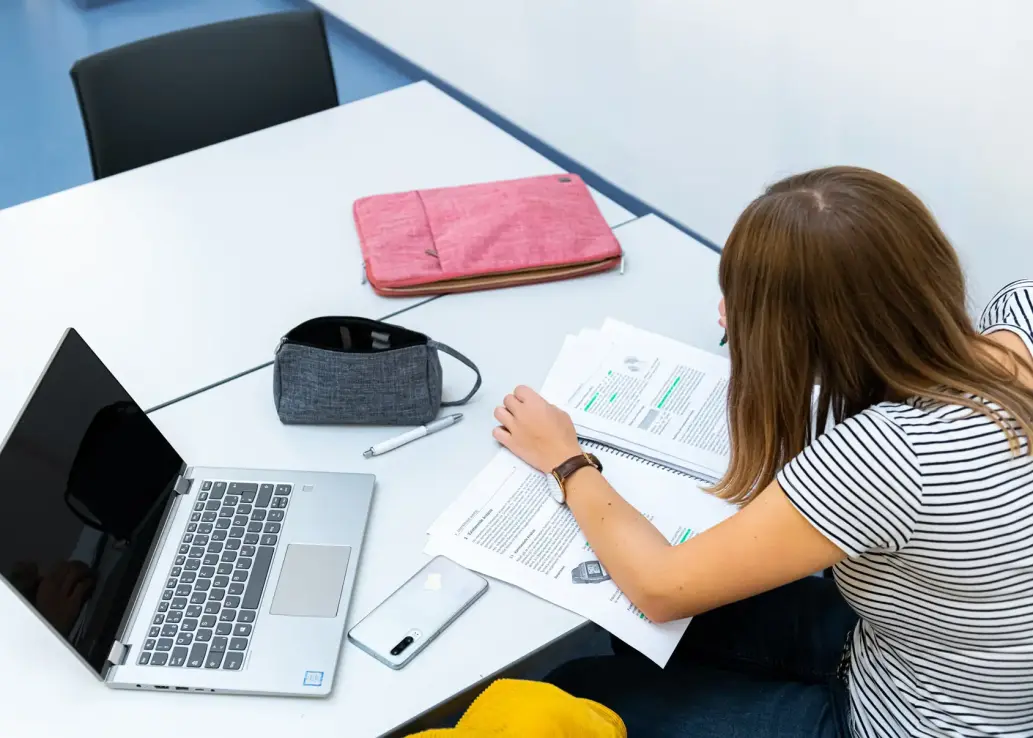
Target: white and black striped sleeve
x=1011, y=309
x=859, y=484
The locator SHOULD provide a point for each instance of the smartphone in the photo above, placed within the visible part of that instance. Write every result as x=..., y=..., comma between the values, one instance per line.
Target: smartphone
x=402, y=625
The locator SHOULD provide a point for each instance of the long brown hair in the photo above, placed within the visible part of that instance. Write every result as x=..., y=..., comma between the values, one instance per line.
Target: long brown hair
x=841, y=277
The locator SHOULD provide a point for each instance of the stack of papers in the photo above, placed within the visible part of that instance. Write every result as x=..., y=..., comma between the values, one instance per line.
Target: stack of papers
x=653, y=410
x=645, y=394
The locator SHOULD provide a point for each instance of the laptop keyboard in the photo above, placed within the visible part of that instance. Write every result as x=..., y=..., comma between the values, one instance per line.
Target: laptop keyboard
x=206, y=615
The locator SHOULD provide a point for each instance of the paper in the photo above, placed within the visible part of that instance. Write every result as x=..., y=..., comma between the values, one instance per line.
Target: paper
x=646, y=394
x=506, y=525
x=645, y=398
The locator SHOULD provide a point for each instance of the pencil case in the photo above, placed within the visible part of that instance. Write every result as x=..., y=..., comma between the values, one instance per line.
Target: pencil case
x=342, y=370
x=483, y=236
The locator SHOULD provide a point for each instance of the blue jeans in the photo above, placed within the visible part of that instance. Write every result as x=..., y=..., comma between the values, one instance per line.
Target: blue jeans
x=766, y=666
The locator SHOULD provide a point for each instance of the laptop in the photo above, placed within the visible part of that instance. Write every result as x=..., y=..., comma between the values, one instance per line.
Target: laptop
x=165, y=576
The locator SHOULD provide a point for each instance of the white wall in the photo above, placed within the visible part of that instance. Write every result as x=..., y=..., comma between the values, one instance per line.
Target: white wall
x=694, y=105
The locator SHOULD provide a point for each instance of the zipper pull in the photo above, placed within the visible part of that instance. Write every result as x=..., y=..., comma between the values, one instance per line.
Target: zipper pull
x=363, y=272
x=622, y=264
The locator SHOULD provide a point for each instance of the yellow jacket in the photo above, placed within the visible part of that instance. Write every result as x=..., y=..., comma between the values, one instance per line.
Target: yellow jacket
x=521, y=709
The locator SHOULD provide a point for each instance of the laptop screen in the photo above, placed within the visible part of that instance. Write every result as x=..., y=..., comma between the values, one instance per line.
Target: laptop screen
x=85, y=478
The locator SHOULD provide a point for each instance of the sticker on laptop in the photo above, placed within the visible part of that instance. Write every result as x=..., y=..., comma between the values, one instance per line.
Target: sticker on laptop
x=313, y=679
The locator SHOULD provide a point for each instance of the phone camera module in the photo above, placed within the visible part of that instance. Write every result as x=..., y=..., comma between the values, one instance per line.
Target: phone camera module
x=402, y=645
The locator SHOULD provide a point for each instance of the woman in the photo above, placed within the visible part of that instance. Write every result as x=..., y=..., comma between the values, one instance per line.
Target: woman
x=919, y=495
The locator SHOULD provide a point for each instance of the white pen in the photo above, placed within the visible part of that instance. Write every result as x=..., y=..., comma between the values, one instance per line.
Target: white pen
x=409, y=436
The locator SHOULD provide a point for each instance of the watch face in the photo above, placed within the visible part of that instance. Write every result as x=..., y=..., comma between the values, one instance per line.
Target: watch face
x=555, y=489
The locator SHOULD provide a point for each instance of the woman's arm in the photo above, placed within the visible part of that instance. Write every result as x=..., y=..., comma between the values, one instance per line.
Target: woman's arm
x=765, y=545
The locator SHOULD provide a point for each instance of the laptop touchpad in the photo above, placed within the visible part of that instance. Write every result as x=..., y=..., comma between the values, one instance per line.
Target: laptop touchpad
x=311, y=580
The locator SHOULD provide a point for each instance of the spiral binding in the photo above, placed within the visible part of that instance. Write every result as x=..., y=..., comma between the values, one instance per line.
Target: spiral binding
x=614, y=451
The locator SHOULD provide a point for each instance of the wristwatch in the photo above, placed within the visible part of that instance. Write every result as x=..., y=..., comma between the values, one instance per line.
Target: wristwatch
x=559, y=476
x=588, y=572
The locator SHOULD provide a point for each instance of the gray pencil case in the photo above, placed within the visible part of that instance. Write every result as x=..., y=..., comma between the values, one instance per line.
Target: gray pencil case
x=339, y=370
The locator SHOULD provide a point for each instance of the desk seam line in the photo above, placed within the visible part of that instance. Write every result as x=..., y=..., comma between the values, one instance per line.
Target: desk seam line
x=252, y=370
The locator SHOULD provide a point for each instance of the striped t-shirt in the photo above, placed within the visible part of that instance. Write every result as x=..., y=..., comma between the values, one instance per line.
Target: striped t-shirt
x=935, y=514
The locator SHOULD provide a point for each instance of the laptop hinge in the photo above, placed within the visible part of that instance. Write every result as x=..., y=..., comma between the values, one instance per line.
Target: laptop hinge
x=118, y=653
x=182, y=485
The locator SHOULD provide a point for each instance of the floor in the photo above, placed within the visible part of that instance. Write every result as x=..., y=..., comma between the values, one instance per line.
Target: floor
x=42, y=147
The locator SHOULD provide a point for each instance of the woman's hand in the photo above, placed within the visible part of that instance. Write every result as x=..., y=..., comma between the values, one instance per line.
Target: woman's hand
x=539, y=433
x=721, y=313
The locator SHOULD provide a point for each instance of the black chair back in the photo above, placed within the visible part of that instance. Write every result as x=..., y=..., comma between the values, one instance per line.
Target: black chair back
x=163, y=96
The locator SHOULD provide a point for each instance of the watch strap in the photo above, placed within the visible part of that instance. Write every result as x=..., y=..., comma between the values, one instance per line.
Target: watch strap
x=563, y=472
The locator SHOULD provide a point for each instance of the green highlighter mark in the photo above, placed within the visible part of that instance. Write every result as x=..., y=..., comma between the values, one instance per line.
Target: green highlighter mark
x=613, y=397
x=686, y=536
x=594, y=398
x=668, y=392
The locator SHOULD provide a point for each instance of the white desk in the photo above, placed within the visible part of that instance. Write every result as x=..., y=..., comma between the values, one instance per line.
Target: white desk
x=187, y=271
x=669, y=286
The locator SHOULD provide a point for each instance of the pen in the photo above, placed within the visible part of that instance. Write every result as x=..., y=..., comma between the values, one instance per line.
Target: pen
x=409, y=436
x=724, y=340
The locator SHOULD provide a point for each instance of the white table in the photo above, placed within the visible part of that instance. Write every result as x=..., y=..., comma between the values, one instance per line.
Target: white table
x=187, y=271
x=669, y=286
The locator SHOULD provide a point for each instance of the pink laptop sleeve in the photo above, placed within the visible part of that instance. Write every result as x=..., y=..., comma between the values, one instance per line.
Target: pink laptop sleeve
x=499, y=234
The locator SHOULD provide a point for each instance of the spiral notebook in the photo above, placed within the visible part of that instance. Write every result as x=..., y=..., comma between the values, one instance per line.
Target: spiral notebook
x=646, y=395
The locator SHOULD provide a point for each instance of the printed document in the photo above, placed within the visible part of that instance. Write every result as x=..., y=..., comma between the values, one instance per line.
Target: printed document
x=653, y=410
x=647, y=394
x=506, y=525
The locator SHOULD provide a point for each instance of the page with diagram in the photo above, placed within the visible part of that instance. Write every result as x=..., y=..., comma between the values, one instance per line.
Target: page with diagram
x=647, y=394
x=506, y=525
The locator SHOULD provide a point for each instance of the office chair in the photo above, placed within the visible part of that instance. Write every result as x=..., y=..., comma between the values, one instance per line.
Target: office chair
x=170, y=94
